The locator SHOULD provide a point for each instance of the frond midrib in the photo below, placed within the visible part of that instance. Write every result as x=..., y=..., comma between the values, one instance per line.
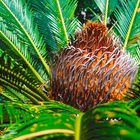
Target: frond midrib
x=106, y=12
x=62, y=20
x=78, y=126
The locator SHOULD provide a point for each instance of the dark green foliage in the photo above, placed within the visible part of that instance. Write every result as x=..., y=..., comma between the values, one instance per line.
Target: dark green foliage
x=55, y=29
x=134, y=96
x=22, y=36
x=15, y=76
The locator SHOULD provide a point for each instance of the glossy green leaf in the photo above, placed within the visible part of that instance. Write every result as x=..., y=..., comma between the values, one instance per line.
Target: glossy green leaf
x=49, y=120
x=111, y=121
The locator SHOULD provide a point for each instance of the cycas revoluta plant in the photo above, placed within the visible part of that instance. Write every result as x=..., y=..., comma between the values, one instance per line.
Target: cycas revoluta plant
x=92, y=68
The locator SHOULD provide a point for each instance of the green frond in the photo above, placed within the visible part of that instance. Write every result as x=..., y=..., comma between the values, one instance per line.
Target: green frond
x=45, y=127
x=15, y=76
x=25, y=38
x=21, y=51
x=49, y=120
x=111, y=121
x=128, y=25
x=56, y=20
x=106, y=7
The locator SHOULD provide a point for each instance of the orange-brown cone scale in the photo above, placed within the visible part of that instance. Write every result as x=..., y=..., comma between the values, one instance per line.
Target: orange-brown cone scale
x=93, y=69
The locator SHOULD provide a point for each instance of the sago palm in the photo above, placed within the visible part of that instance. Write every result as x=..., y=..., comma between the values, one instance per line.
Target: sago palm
x=59, y=80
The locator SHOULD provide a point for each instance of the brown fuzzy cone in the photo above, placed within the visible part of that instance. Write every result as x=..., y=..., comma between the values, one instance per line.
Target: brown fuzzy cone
x=92, y=70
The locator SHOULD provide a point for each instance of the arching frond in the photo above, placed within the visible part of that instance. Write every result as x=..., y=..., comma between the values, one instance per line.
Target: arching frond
x=22, y=35
x=118, y=118
x=47, y=126
x=56, y=21
x=128, y=26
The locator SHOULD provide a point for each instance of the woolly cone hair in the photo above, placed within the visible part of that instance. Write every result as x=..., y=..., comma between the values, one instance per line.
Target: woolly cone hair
x=93, y=69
